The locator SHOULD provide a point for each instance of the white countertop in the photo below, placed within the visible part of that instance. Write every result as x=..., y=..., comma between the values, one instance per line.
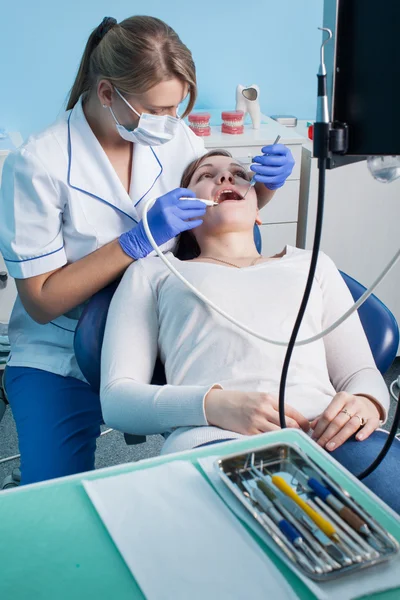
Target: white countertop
x=267, y=133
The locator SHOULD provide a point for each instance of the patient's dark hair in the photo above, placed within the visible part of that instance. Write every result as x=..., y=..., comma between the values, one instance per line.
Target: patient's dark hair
x=187, y=246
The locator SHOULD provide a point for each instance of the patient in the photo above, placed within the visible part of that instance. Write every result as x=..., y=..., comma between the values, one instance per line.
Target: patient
x=221, y=382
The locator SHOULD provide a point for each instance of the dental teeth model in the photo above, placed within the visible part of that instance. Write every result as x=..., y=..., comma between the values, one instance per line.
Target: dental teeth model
x=248, y=100
x=199, y=123
x=232, y=122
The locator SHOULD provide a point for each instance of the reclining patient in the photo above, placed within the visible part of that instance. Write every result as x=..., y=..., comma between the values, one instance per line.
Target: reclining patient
x=223, y=383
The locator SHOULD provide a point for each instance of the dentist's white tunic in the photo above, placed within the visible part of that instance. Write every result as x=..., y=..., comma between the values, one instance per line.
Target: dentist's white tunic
x=60, y=200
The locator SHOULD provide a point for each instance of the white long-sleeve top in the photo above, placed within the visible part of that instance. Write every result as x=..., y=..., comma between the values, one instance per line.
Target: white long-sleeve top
x=152, y=313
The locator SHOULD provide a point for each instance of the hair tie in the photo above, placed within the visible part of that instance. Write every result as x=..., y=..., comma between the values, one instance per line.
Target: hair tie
x=104, y=27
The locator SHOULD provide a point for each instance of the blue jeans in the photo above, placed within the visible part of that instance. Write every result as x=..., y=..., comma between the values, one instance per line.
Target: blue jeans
x=357, y=456
x=58, y=421
x=385, y=480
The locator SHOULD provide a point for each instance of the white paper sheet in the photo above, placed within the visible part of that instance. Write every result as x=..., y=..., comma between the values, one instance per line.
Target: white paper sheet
x=179, y=539
x=381, y=577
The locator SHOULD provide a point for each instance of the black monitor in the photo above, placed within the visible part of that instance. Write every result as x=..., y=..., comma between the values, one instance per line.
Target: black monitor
x=363, y=74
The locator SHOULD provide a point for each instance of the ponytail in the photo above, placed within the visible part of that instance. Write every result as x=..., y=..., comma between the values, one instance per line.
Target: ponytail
x=134, y=55
x=82, y=81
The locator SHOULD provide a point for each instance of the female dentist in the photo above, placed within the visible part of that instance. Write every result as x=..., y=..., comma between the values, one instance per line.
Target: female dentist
x=71, y=202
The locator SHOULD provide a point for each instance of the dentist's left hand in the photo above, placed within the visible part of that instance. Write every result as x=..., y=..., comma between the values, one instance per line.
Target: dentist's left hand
x=167, y=218
x=274, y=166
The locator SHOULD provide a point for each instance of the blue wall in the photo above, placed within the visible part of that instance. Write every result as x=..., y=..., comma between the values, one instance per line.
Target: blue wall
x=274, y=44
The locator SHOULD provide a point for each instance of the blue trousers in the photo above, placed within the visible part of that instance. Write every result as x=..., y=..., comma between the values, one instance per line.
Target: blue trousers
x=58, y=421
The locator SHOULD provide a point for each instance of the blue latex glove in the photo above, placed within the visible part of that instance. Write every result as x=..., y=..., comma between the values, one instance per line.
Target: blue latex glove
x=274, y=166
x=167, y=218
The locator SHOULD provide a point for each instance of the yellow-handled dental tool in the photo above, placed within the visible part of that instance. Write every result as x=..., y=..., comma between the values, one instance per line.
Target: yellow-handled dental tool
x=318, y=519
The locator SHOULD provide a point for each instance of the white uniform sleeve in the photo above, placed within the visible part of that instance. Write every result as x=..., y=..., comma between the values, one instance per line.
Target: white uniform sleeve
x=129, y=402
x=197, y=142
x=31, y=209
x=350, y=362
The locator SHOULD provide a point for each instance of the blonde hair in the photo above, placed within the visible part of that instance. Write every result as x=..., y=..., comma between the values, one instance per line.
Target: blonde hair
x=134, y=55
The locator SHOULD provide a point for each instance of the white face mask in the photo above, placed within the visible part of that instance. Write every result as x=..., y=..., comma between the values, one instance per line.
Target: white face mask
x=152, y=130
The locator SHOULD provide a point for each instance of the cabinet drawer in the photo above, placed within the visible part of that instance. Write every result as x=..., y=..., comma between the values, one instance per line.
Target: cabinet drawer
x=275, y=237
x=244, y=154
x=284, y=206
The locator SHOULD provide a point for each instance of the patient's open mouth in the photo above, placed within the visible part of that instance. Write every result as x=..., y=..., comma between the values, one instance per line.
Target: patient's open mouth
x=227, y=194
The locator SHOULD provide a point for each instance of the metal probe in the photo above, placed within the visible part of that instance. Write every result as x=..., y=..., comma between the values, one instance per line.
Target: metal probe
x=335, y=554
x=206, y=202
x=252, y=180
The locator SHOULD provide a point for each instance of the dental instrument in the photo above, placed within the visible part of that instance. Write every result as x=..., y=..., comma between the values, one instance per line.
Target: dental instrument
x=318, y=519
x=356, y=551
x=321, y=150
x=348, y=515
x=317, y=515
x=203, y=200
x=321, y=145
x=344, y=512
x=286, y=527
x=350, y=536
x=328, y=551
x=146, y=207
x=272, y=529
x=268, y=502
x=336, y=555
x=253, y=180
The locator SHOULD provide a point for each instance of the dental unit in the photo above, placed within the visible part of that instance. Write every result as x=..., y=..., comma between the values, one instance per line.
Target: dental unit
x=327, y=140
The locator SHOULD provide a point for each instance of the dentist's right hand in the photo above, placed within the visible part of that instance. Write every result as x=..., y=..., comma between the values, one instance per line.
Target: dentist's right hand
x=167, y=218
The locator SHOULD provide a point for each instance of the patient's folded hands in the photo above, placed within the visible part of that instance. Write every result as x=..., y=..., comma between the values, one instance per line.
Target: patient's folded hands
x=345, y=416
x=249, y=413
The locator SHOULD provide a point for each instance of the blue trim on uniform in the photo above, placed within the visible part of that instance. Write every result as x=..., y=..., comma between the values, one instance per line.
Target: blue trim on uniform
x=34, y=257
x=64, y=328
x=152, y=185
x=85, y=191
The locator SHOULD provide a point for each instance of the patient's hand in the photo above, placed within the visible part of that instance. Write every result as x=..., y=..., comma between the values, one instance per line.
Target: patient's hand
x=249, y=413
x=343, y=418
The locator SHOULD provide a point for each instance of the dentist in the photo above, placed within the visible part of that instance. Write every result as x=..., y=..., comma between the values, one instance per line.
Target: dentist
x=71, y=203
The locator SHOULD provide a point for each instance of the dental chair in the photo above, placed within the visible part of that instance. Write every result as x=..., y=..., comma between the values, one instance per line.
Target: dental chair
x=379, y=325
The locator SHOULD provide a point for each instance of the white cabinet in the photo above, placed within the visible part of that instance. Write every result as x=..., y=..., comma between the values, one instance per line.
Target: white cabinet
x=361, y=223
x=281, y=216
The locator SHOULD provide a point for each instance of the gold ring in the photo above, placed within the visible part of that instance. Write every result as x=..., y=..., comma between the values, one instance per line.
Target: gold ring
x=346, y=412
x=362, y=420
